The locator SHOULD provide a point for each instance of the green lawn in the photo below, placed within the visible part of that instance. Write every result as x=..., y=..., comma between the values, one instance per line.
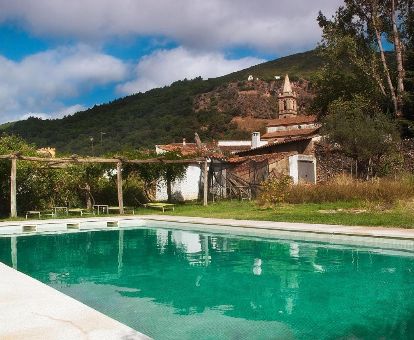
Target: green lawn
x=308, y=213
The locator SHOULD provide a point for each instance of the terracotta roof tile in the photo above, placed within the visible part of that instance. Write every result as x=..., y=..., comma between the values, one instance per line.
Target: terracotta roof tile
x=234, y=148
x=301, y=119
x=207, y=150
x=280, y=142
x=290, y=133
x=259, y=158
x=185, y=150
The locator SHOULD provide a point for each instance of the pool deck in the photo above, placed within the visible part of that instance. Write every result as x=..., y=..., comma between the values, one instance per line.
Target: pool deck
x=30, y=309
x=311, y=231
x=386, y=232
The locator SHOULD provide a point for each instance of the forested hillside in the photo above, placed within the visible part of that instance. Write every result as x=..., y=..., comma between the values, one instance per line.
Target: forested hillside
x=158, y=116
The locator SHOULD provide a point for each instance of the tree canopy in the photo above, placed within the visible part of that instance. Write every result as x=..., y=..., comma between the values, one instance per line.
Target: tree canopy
x=373, y=39
x=40, y=187
x=362, y=131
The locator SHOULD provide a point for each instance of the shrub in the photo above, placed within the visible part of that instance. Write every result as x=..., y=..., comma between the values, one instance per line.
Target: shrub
x=344, y=188
x=274, y=190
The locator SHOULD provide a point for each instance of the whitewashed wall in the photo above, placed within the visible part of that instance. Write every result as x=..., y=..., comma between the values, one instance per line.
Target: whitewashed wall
x=271, y=129
x=294, y=166
x=186, y=189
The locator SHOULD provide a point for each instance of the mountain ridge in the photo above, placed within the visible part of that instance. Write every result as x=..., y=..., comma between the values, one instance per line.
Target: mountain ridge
x=168, y=114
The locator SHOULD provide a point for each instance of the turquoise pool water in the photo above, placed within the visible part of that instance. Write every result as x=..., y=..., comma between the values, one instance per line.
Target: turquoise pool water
x=173, y=284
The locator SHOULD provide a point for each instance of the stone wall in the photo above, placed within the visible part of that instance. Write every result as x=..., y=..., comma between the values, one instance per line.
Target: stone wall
x=331, y=162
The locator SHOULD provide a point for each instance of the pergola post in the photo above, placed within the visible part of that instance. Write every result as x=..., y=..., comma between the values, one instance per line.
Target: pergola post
x=13, y=194
x=119, y=185
x=205, y=176
x=120, y=251
x=13, y=246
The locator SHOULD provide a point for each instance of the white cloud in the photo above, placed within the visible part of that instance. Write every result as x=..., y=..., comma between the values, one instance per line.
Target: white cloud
x=166, y=66
x=35, y=115
x=277, y=26
x=41, y=82
x=70, y=110
x=65, y=111
x=39, y=85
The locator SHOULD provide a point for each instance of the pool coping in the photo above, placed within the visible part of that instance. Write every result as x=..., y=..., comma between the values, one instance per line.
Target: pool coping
x=30, y=309
x=388, y=238
x=345, y=230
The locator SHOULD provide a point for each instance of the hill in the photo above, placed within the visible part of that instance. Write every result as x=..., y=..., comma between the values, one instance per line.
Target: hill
x=6, y=126
x=299, y=65
x=213, y=107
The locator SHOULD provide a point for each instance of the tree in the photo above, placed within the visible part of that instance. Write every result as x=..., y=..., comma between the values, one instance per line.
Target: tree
x=363, y=132
x=370, y=24
x=42, y=187
x=341, y=78
x=26, y=173
x=409, y=61
x=172, y=172
x=152, y=173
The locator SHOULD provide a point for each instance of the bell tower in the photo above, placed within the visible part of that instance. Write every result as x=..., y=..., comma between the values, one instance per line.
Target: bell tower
x=287, y=101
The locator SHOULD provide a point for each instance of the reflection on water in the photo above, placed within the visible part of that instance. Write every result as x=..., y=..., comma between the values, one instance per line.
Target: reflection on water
x=178, y=284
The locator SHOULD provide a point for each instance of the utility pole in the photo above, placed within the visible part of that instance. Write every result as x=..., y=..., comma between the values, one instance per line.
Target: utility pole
x=91, y=139
x=102, y=134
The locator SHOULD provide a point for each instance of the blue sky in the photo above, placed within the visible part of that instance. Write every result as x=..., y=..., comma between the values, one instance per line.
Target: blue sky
x=58, y=57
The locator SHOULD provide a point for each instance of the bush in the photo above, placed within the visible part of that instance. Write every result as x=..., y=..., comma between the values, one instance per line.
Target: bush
x=274, y=190
x=344, y=188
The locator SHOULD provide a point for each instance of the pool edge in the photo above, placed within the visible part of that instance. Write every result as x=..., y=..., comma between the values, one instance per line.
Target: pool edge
x=396, y=238
x=31, y=309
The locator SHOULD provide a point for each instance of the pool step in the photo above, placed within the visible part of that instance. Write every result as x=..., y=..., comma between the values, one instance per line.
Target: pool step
x=70, y=226
x=112, y=224
x=29, y=228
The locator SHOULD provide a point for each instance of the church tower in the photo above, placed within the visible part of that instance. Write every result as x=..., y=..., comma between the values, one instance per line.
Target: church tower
x=287, y=101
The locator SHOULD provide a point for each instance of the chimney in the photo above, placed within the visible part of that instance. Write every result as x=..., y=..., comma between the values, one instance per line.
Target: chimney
x=184, y=142
x=255, y=140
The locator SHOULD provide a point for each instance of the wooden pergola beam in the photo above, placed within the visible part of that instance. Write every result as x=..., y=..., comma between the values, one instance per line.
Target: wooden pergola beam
x=90, y=160
x=82, y=160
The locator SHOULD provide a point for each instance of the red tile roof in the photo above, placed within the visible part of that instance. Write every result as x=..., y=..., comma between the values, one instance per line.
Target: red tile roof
x=206, y=150
x=290, y=133
x=301, y=119
x=259, y=158
x=185, y=149
x=233, y=148
x=273, y=143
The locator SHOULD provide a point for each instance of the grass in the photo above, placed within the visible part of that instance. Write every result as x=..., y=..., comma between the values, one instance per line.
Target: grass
x=355, y=213
x=332, y=213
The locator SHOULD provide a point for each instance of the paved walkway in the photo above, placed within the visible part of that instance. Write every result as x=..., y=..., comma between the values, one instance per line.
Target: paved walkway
x=397, y=233
x=31, y=310
x=380, y=237
x=386, y=232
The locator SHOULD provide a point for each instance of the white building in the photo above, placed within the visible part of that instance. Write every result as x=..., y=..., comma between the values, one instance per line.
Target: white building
x=188, y=188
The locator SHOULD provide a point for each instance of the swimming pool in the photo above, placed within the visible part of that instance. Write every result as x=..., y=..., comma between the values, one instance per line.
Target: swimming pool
x=181, y=284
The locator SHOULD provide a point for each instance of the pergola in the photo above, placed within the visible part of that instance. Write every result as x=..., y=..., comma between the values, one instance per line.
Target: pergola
x=96, y=160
